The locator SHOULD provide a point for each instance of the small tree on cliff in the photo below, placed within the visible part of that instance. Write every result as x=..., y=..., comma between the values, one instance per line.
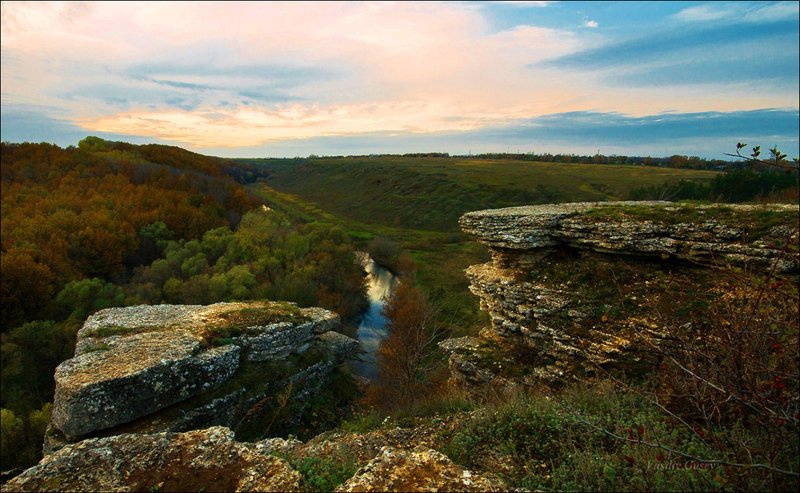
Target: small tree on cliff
x=407, y=358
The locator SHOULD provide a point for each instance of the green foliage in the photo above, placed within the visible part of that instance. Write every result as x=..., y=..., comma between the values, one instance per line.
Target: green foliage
x=268, y=257
x=30, y=354
x=79, y=299
x=522, y=432
x=363, y=422
x=12, y=435
x=324, y=474
x=94, y=144
x=20, y=439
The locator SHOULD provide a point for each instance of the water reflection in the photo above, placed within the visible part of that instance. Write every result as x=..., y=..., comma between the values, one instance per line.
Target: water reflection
x=372, y=327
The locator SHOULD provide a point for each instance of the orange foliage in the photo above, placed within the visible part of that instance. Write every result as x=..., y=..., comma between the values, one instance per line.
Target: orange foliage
x=75, y=213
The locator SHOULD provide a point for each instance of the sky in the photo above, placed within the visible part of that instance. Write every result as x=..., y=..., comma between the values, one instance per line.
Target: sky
x=290, y=79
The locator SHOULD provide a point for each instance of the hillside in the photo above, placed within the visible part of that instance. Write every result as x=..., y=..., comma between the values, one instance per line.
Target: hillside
x=84, y=212
x=429, y=193
x=108, y=224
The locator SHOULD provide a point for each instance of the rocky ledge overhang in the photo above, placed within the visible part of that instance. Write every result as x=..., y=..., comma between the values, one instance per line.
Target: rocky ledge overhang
x=549, y=262
x=717, y=233
x=134, y=361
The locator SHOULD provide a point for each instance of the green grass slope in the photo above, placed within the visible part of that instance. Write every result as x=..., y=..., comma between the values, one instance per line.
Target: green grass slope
x=431, y=193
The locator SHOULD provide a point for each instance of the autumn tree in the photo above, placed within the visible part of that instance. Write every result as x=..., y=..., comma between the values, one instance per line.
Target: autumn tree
x=407, y=359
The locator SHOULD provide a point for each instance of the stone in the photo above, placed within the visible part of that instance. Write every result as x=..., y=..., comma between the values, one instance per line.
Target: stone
x=717, y=233
x=421, y=470
x=136, y=375
x=538, y=289
x=338, y=345
x=133, y=362
x=207, y=460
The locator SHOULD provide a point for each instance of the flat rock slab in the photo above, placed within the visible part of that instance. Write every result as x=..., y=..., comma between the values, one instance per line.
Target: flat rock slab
x=133, y=361
x=716, y=233
x=134, y=376
x=201, y=460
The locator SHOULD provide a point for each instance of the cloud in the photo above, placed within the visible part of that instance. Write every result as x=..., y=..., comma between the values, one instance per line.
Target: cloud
x=740, y=56
x=616, y=128
x=708, y=134
x=249, y=126
x=99, y=58
x=740, y=12
x=590, y=24
x=524, y=3
x=654, y=46
x=23, y=124
x=777, y=68
x=702, y=13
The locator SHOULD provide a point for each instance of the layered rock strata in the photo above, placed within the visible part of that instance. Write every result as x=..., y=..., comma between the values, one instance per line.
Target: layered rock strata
x=171, y=368
x=572, y=287
x=721, y=234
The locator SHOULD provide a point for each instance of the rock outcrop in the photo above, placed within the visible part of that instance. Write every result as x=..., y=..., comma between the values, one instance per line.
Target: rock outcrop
x=721, y=234
x=421, y=470
x=572, y=288
x=201, y=460
x=174, y=368
x=386, y=459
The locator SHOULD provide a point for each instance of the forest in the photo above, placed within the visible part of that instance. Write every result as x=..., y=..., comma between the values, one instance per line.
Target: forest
x=112, y=224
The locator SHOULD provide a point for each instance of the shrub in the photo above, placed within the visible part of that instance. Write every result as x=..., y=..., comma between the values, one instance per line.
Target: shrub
x=324, y=474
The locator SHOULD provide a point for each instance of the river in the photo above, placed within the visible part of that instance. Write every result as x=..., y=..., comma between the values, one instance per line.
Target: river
x=372, y=326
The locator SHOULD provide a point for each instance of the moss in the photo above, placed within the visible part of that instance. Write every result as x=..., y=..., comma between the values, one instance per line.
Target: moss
x=322, y=473
x=620, y=296
x=281, y=413
x=239, y=322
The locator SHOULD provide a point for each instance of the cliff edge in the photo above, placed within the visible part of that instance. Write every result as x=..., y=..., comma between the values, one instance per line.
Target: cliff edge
x=181, y=367
x=582, y=288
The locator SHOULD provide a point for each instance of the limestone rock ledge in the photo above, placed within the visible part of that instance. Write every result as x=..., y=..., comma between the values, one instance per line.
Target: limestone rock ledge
x=571, y=287
x=712, y=233
x=135, y=361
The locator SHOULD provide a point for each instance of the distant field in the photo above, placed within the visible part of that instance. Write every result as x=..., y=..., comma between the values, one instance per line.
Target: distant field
x=431, y=193
x=417, y=202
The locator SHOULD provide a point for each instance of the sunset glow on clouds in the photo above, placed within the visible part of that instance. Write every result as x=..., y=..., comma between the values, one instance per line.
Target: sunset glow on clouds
x=273, y=78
